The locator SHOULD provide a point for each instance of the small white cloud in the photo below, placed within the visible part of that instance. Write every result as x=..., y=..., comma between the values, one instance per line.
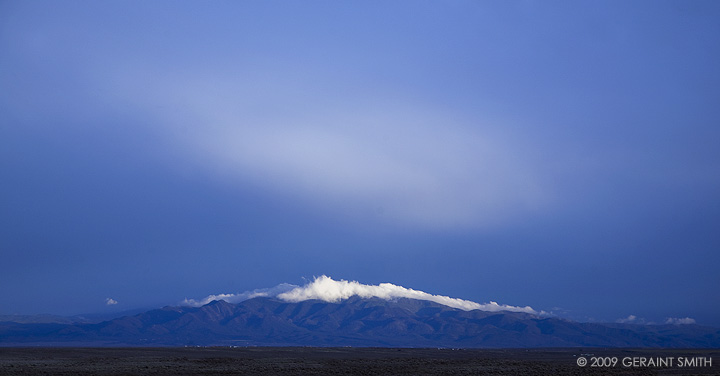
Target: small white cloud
x=110, y=301
x=628, y=320
x=679, y=321
x=237, y=298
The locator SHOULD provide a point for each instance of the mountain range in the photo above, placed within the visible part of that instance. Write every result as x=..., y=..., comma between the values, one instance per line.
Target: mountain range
x=355, y=321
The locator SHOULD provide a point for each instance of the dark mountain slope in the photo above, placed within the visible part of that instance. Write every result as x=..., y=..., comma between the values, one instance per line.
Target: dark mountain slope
x=354, y=322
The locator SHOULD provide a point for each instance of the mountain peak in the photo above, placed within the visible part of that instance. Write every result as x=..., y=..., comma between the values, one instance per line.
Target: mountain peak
x=218, y=303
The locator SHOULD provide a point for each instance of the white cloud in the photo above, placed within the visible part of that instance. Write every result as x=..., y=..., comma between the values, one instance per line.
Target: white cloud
x=329, y=290
x=632, y=319
x=629, y=320
x=679, y=321
x=237, y=298
x=110, y=301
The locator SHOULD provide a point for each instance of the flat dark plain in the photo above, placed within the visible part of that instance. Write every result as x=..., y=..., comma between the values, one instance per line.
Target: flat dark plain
x=332, y=361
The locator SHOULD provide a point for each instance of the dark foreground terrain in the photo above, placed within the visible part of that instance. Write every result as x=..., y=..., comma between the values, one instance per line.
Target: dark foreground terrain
x=339, y=361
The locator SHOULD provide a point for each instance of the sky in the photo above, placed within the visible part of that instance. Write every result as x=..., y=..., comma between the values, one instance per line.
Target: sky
x=558, y=155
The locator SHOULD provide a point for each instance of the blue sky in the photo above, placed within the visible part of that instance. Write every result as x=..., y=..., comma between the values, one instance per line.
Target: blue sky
x=562, y=155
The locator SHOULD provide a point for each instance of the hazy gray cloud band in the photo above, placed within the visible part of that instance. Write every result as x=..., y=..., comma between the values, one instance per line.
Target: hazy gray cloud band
x=414, y=164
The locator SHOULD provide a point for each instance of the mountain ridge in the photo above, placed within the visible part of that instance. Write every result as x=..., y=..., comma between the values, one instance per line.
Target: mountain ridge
x=356, y=321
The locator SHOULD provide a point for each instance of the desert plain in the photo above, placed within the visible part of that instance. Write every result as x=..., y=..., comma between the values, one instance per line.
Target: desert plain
x=340, y=361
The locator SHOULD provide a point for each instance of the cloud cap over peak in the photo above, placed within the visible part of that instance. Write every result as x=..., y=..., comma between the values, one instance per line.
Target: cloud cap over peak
x=329, y=290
